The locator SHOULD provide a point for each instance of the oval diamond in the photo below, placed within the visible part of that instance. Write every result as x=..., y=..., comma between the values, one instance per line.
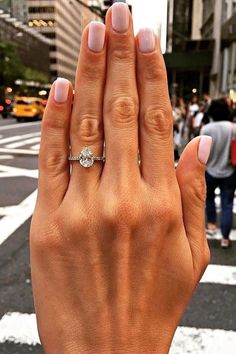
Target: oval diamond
x=86, y=158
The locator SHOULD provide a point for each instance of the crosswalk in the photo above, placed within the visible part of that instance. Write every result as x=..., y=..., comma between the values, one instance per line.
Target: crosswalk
x=26, y=143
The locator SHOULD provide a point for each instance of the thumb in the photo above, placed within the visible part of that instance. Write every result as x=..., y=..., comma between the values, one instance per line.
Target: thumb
x=191, y=178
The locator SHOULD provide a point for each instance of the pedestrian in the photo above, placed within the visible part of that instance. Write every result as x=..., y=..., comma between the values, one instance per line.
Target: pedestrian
x=197, y=119
x=193, y=109
x=179, y=116
x=220, y=172
x=207, y=100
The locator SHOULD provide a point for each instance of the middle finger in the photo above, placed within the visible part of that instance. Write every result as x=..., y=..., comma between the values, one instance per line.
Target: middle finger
x=121, y=97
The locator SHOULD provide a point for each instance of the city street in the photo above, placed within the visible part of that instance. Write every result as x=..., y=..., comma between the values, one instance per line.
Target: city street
x=209, y=325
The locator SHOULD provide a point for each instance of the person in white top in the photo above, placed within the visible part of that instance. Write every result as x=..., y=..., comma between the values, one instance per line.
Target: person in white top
x=193, y=108
x=197, y=120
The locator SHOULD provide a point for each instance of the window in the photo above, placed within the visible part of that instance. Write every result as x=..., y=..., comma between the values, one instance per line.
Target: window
x=52, y=48
x=41, y=23
x=21, y=102
x=51, y=35
x=53, y=60
x=41, y=9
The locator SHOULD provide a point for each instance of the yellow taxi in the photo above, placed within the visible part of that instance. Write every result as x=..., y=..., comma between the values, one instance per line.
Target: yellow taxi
x=28, y=108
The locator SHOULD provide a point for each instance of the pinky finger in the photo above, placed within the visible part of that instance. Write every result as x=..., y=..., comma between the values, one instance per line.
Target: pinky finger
x=54, y=149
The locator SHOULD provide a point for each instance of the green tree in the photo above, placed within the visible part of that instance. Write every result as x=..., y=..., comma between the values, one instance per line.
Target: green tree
x=10, y=63
x=35, y=75
x=11, y=67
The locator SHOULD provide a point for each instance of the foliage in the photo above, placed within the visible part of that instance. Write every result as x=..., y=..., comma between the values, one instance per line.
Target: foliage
x=35, y=75
x=11, y=67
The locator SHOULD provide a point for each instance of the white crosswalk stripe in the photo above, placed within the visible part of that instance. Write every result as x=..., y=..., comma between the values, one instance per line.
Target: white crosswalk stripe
x=35, y=147
x=21, y=328
x=27, y=144
x=23, y=143
x=17, y=138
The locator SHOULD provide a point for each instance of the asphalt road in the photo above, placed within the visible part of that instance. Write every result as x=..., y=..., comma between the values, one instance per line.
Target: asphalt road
x=209, y=324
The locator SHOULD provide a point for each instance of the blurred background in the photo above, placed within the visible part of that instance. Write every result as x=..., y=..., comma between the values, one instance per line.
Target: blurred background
x=40, y=41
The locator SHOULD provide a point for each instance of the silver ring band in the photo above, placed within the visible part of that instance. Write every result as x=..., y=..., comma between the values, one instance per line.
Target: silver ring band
x=86, y=158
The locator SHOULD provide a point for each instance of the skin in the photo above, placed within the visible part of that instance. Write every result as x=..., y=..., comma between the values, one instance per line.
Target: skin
x=116, y=250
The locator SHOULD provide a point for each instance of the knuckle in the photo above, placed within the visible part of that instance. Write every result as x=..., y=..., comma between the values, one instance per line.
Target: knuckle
x=168, y=214
x=196, y=189
x=55, y=121
x=122, y=51
x=159, y=121
x=89, y=128
x=155, y=70
x=46, y=239
x=93, y=70
x=124, y=110
x=53, y=162
x=123, y=212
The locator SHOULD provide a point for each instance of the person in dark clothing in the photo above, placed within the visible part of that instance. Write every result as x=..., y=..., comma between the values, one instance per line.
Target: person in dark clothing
x=220, y=172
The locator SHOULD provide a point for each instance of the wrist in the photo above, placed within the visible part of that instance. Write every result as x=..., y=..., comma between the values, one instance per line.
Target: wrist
x=157, y=343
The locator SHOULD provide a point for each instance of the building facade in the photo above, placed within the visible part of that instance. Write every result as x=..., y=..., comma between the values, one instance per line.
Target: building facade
x=202, y=46
x=189, y=56
x=62, y=21
x=228, y=79
x=32, y=47
x=16, y=8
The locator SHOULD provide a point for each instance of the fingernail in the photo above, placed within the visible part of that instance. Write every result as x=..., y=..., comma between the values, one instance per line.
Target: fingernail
x=120, y=17
x=96, y=37
x=204, y=148
x=146, y=39
x=61, y=90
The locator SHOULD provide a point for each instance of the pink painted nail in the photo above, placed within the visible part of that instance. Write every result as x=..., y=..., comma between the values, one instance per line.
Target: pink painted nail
x=120, y=17
x=204, y=148
x=146, y=38
x=61, y=90
x=96, y=37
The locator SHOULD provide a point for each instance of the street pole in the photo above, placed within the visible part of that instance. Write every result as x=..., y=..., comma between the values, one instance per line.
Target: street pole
x=170, y=26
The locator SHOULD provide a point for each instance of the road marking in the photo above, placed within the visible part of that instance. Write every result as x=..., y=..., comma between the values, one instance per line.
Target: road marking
x=10, y=171
x=21, y=328
x=18, y=137
x=219, y=274
x=19, y=151
x=6, y=157
x=204, y=341
x=23, y=142
x=35, y=147
x=22, y=125
x=10, y=223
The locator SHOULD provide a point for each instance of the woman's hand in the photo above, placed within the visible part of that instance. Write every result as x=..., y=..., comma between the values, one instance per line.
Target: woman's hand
x=117, y=249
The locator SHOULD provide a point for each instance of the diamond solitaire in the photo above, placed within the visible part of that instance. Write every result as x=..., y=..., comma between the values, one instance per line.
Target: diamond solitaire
x=86, y=158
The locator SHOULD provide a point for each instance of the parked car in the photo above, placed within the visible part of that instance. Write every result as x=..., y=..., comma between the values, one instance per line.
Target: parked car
x=26, y=108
